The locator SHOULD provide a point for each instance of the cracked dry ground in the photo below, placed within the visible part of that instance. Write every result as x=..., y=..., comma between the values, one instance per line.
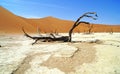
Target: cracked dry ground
x=85, y=53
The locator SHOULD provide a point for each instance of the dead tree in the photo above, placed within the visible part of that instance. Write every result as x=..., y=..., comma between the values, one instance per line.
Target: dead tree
x=39, y=31
x=52, y=37
x=49, y=38
x=55, y=32
x=90, y=27
x=78, y=22
x=78, y=31
x=111, y=31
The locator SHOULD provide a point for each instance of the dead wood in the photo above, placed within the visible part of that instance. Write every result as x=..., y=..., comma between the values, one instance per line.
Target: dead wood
x=78, y=22
x=47, y=39
x=52, y=37
x=90, y=27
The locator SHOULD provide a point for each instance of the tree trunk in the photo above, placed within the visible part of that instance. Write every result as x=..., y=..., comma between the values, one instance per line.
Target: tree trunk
x=79, y=22
x=70, y=33
x=61, y=38
x=45, y=39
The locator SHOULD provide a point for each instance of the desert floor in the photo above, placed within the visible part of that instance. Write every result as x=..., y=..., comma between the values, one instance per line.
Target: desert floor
x=97, y=53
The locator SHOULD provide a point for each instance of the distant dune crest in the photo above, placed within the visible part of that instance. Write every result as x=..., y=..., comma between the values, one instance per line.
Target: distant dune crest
x=10, y=23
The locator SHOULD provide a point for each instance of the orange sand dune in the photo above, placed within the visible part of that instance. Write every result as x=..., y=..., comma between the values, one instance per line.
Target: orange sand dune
x=10, y=23
x=51, y=24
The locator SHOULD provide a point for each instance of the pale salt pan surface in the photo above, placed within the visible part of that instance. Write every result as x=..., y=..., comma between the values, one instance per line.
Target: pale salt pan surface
x=15, y=48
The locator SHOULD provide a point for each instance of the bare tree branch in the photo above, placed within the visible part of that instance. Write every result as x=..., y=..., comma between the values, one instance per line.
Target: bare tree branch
x=90, y=26
x=82, y=22
x=90, y=17
x=38, y=29
x=53, y=38
x=79, y=22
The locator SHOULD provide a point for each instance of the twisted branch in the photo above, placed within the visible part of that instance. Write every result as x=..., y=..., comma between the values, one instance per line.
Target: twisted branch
x=79, y=22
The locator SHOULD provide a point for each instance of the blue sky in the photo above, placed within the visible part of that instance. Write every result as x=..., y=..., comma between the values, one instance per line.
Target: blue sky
x=107, y=10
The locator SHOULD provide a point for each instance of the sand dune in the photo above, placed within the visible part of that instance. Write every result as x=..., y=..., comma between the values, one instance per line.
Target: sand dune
x=50, y=24
x=10, y=23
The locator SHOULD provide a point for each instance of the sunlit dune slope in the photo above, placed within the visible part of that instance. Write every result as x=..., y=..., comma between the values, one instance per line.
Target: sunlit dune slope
x=51, y=24
x=10, y=23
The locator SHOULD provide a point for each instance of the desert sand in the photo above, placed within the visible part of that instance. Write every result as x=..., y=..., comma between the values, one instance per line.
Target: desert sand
x=11, y=23
x=95, y=53
x=84, y=56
